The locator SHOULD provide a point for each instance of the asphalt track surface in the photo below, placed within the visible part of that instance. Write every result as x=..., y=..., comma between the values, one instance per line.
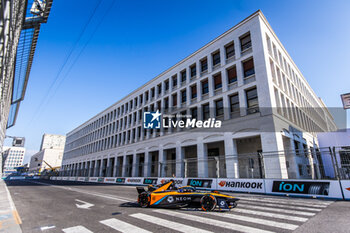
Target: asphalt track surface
x=74, y=207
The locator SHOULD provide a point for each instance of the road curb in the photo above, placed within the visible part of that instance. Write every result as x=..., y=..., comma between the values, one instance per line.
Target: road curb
x=10, y=220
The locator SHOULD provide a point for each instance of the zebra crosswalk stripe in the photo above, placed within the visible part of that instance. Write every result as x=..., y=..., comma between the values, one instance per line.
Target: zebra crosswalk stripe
x=270, y=223
x=285, y=202
x=271, y=215
x=283, y=206
x=169, y=224
x=218, y=223
x=123, y=226
x=76, y=229
x=251, y=206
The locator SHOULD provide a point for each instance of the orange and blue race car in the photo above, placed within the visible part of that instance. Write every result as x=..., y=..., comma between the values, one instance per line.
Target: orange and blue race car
x=168, y=196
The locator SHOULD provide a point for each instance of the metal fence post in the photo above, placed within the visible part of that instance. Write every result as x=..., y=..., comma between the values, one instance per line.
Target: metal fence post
x=334, y=164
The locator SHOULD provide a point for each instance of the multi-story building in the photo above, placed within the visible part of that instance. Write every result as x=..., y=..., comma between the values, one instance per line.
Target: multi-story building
x=13, y=158
x=50, y=154
x=246, y=79
x=53, y=141
x=20, y=22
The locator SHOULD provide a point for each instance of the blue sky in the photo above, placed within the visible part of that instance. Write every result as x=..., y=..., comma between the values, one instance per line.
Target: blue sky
x=129, y=42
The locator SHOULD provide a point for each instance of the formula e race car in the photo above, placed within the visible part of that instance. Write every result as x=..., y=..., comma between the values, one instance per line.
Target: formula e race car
x=168, y=196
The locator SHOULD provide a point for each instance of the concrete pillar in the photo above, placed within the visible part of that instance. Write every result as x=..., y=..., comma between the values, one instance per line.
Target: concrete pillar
x=211, y=86
x=101, y=167
x=135, y=165
x=96, y=170
x=243, y=103
x=147, y=164
x=202, y=156
x=90, y=173
x=275, y=165
x=231, y=156
x=161, y=158
x=108, y=170
x=115, y=167
x=180, y=156
x=227, y=110
x=124, y=165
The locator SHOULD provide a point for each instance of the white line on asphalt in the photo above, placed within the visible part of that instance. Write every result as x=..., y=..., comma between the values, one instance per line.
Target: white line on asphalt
x=270, y=223
x=250, y=206
x=123, y=226
x=76, y=229
x=272, y=215
x=314, y=202
x=280, y=201
x=226, y=225
x=169, y=224
x=291, y=206
x=47, y=228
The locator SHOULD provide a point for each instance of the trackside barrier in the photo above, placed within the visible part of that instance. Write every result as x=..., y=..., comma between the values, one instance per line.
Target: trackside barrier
x=299, y=188
x=346, y=189
x=304, y=188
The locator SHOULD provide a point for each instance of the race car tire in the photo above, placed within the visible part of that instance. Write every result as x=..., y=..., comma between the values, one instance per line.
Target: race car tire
x=144, y=199
x=208, y=202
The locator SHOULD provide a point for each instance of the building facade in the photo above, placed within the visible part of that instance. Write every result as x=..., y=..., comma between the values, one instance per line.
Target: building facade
x=247, y=80
x=50, y=154
x=13, y=158
x=20, y=22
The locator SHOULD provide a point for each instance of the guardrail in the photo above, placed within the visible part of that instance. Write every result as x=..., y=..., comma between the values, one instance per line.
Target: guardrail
x=327, y=189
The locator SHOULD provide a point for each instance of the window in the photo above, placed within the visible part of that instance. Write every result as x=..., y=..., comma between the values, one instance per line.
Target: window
x=204, y=65
x=141, y=101
x=219, y=107
x=216, y=58
x=232, y=75
x=205, y=87
x=166, y=103
x=205, y=111
x=246, y=42
x=174, y=96
x=174, y=81
x=300, y=167
x=248, y=68
x=230, y=50
x=217, y=81
x=183, y=96
x=159, y=89
x=252, y=100
x=166, y=84
x=193, y=91
x=193, y=70
x=146, y=97
x=234, y=103
x=194, y=113
x=152, y=92
x=183, y=76
x=296, y=147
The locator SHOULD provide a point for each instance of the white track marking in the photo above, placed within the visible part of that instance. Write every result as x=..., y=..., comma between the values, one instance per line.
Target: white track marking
x=280, y=201
x=283, y=206
x=272, y=215
x=251, y=206
x=76, y=229
x=169, y=224
x=270, y=223
x=123, y=226
x=217, y=223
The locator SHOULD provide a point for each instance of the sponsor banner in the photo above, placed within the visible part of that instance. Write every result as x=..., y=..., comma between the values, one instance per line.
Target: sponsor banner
x=59, y=178
x=179, y=182
x=149, y=181
x=100, y=179
x=346, y=188
x=134, y=180
x=201, y=183
x=109, y=180
x=81, y=179
x=93, y=179
x=53, y=178
x=36, y=177
x=241, y=185
x=17, y=178
x=310, y=188
x=86, y=179
x=65, y=178
x=72, y=178
x=120, y=180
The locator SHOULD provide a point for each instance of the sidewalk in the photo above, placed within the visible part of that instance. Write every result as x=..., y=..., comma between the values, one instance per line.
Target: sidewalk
x=9, y=218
